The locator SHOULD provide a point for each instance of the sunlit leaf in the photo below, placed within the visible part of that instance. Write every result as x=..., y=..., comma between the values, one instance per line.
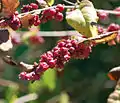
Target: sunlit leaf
x=50, y=2
x=25, y=20
x=84, y=19
x=90, y=16
x=76, y=20
x=64, y=98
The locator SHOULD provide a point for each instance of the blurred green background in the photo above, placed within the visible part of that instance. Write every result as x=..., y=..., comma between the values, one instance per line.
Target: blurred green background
x=83, y=81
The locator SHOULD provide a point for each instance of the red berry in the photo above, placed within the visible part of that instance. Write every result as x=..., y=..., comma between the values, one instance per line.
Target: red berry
x=34, y=6
x=26, y=8
x=37, y=23
x=16, y=13
x=52, y=12
x=118, y=10
x=36, y=17
x=113, y=27
x=14, y=22
x=102, y=15
x=59, y=16
x=60, y=8
x=100, y=29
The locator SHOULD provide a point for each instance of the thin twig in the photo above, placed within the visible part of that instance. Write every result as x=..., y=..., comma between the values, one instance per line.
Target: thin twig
x=38, y=11
x=71, y=3
x=108, y=11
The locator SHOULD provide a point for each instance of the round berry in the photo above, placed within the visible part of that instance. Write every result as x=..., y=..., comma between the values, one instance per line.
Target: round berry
x=113, y=27
x=52, y=12
x=60, y=8
x=100, y=29
x=37, y=23
x=59, y=16
x=118, y=10
x=102, y=15
x=34, y=6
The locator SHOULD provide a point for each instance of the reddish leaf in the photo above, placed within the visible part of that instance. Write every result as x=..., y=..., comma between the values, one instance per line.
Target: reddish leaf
x=25, y=20
x=9, y=7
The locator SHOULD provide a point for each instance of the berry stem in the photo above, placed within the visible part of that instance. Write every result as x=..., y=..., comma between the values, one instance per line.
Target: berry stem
x=71, y=3
x=108, y=11
x=38, y=11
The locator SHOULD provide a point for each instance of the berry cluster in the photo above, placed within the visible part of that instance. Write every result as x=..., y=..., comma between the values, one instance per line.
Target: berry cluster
x=113, y=27
x=28, y=7
x=54, y=13
x=35, y=21
x=118, y=10
x=58, y=56
x=110, y=28
x=49, y=14
x=14, y=22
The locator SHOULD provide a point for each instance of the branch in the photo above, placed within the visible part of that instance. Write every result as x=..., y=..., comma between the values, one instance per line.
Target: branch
x=71, y=3
x=108, y=11
x=38, y=11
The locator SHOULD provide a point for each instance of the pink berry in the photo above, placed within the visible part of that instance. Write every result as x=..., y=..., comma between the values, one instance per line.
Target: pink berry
x=100, y=29
x=118, y=10
x=113, y=27
x=37, y=23
x=60, y=8
x=59, y=16
x=16, y=13
x=52, y=12
x=52, y=63
x=14, y=22
x=36, y=17
x=26, y=8
x=34, y=6
x=102, y=15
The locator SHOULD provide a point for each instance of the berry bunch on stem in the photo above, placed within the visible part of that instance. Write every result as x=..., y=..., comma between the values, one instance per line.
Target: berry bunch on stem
x=57, y=57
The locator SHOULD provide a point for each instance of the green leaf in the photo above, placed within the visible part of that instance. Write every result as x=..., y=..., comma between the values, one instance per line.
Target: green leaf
x=84, y=19
x=49, y=78
x=37, y=86
x=90, y=16
x=50, y=2
x=11, y=93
